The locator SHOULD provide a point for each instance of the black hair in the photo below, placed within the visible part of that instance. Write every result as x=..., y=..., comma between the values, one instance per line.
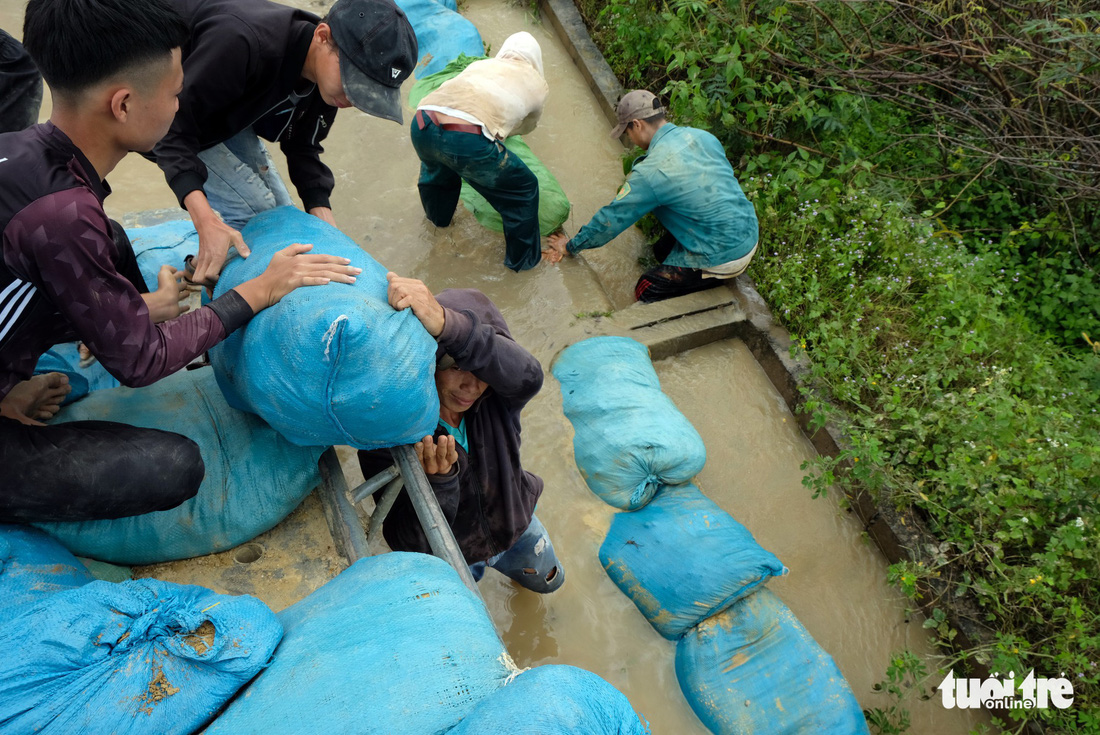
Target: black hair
x=654, y=119
x=80, y=43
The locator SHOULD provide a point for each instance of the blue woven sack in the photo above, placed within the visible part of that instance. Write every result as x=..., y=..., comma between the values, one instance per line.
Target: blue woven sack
x=164, y=244
x=628, y=437
x=137, y=657
x=441, y=34
x=753, y=669
x=34, y=566
x=333, y=364
x=682, y=559
x=394, y=644
x=254, y=477
x=554, y=700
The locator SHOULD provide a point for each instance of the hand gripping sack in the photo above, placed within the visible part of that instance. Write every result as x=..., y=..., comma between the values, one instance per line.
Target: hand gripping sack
x=332, y=364
x=755, y=669
x=554, y=205
x=628, y=437
x=682, y=559
x=164, y=244
x=34, y=566
x=554, y=700
x=137, y=657
x=394, y=644
x=442, y=35
x=254, y=477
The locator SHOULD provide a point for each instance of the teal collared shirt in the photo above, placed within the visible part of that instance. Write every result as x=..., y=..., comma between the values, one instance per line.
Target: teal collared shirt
x=459, y=433
x=687, y=182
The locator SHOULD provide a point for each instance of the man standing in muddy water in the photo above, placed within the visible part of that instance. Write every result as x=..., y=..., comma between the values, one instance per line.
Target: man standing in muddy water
x=484, y=379
x=686, y=180
x=257, y=69
x=459, y=131
x=68, y=272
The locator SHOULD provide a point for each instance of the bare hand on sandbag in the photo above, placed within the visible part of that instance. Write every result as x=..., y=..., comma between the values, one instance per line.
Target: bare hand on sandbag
x=436, y=455
x=292, y=267
x=215, y=239
x=409, y=293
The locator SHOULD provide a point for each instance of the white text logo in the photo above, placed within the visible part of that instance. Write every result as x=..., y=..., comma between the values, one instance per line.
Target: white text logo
x=1031, y=693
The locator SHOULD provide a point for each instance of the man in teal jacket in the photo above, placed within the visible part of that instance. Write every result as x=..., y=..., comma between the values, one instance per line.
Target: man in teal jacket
x=686, y=180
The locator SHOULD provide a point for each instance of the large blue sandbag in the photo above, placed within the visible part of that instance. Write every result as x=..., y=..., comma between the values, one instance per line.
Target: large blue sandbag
x=753, y=668
x=333, y=364
x=394, y=644
x=441, y=35
x=164, y=244
x=254, y=477
x=554, y=700
x=682, y=559
x=137, y=657
x=34, y=566
x=628, y=437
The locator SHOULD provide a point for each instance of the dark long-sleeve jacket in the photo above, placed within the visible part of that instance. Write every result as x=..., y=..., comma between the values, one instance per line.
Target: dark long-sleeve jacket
x=488, y=498
x=58, y=274
x=241, y=68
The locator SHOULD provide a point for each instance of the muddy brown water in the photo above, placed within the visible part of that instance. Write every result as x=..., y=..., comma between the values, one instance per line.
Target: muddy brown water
x=837, y=582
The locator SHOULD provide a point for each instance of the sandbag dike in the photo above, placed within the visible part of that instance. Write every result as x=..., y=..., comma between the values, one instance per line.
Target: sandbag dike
x=744, y=663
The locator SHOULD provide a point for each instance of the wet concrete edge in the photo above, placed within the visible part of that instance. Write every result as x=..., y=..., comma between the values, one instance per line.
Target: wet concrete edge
x=899, y=535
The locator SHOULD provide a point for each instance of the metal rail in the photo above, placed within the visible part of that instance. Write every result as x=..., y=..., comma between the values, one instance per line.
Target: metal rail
x=343, y=519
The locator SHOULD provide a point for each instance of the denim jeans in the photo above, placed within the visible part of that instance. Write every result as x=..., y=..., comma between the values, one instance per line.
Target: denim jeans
x=242, y=180
x=531, y=561
x=447, y=158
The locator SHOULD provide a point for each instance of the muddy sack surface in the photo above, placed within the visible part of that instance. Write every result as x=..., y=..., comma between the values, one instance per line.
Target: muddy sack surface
x=34, y=566
x=141, y=656
x=682, y=559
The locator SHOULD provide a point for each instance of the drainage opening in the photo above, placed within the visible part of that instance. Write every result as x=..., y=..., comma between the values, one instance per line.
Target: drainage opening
x=248, y=553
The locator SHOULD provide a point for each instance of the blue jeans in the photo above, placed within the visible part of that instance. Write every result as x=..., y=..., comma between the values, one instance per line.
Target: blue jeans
x=447, y=158
x=531, y=561
x=241, y=179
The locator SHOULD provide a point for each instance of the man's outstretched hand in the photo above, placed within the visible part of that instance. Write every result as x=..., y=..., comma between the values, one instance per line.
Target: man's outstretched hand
x=409, y=293
x=557, y=250
x=436, y=455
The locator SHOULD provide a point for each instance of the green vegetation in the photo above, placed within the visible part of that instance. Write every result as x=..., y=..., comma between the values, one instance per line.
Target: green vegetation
x=926, y=178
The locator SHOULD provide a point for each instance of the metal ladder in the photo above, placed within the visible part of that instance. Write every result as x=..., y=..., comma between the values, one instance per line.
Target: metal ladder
x=343, y=521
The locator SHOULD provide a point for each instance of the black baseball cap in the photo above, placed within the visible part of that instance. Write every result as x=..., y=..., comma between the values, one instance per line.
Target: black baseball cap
x=378, y=52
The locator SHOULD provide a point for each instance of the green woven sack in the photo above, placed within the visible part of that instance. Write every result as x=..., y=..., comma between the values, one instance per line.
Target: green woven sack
x=554, y=206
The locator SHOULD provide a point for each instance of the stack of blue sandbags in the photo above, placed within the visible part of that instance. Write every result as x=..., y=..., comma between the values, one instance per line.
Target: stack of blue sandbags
x=441, y=34
x=398, y=644
x=744, y=662
x=136, y=657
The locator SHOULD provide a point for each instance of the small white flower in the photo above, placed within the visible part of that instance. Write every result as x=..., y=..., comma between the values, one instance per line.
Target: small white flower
x=1080, y=522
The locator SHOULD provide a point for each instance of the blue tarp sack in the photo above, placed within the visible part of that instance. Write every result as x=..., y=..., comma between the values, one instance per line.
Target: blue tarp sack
x=682, y=559
x=554, y=205
x=554, y=700
x=755, y=669
x=395, y=644
x=33, y=566
x=628, y=437
x=165, y=244
x=332, y=364
x=254, y=477
x=137, y=657
x=441, y=35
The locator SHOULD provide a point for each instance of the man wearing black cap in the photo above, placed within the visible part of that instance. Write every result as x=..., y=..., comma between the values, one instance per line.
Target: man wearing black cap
x=686, y=180
x=257, y=69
